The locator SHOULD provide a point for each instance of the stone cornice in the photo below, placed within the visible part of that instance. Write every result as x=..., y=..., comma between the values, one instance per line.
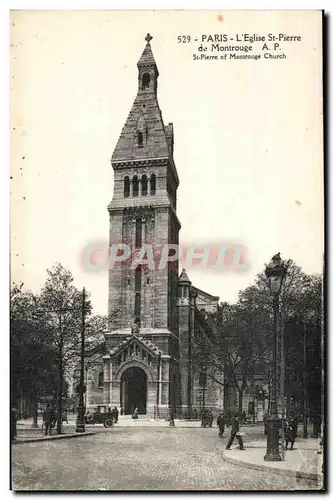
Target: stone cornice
x=138, y=163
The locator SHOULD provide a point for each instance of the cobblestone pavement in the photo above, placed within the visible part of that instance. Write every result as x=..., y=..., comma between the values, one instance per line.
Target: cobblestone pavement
x=149, y=458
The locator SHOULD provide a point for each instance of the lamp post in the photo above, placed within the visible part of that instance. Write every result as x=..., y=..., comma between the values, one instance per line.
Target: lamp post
x=275, y=273
x=80, y=424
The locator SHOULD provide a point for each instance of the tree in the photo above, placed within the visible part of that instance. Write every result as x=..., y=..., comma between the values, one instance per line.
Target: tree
x=238, y=340
x=32, y=356
x=60, y=306
x=235, y=344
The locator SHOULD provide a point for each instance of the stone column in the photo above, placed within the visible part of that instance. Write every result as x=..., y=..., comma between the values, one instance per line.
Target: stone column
x=164, y=393
x=116, y=394
x=133, y=243
x=110, y=382
x=106, y=380
x=143, y=231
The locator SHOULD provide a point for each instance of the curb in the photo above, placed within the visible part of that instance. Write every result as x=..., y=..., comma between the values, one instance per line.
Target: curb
x=53, y=438
x=311, y=476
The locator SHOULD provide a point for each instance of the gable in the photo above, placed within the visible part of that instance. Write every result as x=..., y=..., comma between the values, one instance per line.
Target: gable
x=135, y=346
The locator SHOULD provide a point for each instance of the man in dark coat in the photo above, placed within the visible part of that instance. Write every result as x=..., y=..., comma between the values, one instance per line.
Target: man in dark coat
x=235, y=434
x=13, y=430
x=210, y=418
x=294, y=425
x=115, y=411
x=48, y=417
x=289, y=435
x=221, y=421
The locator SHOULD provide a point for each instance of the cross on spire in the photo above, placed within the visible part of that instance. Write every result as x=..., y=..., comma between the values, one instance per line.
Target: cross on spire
x=148, y=38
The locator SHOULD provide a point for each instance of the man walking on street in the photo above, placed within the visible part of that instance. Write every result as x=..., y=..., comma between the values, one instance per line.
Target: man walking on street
x=115, y=411
x=235, y=434
x=221, y=423
x=47, y=419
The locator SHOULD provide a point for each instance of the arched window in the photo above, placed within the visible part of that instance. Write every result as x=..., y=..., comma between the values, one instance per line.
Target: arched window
x=141, y=130
x=135, y=186
x=144, y=185
x=138, y=233
x=145, y=81
x=153, y=184
x=101, y=379
x=126, y=187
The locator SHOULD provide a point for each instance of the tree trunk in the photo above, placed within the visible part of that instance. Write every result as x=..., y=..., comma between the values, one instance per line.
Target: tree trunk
x=60, y=397
x=60, y=388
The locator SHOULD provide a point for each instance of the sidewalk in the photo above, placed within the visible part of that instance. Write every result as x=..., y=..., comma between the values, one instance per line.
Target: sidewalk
x=36, y=435
x=302, y=462
x=26, y=425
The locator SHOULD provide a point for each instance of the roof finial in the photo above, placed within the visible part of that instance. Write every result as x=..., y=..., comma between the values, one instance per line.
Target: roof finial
x=148, y=38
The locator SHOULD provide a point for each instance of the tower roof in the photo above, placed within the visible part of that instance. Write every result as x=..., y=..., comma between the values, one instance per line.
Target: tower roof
x=147, y=57
x=184, y=277
x=145, y=117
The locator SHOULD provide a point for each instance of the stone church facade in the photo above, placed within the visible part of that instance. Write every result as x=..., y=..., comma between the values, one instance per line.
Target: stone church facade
x=148, y=347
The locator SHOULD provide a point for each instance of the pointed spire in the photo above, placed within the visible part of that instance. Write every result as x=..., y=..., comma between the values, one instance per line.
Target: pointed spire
x=147, y=58
x=184, y=277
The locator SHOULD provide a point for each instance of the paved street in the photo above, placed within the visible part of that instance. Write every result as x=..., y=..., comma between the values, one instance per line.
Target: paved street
x=147, y=458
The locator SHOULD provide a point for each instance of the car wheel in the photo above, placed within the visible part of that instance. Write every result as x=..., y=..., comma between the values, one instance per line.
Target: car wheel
x=108, y=423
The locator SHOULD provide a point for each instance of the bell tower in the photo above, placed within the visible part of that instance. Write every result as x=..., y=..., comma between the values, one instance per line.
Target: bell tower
x=143, y=212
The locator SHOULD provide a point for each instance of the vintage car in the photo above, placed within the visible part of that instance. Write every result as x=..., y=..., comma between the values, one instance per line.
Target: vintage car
x=97, y=417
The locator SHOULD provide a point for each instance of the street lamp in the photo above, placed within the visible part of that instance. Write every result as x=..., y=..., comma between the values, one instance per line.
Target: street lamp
x=275, y=273
x=80, y=424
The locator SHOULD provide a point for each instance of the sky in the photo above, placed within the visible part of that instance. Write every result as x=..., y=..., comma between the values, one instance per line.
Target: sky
x=247, y=134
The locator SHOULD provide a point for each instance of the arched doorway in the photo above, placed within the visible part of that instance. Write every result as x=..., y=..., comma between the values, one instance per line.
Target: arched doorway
x=134, y=390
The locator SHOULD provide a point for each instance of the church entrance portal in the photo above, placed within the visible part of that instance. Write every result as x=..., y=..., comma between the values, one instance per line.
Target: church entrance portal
x=134, y=390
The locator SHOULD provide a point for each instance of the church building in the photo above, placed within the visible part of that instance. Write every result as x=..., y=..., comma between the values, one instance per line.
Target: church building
x=146, y=361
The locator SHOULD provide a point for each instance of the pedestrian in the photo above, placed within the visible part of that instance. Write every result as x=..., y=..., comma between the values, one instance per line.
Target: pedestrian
x=54, y=413
x=64, y=418
x=13, y=421
x=48, y=418
x=243, y=417
x=135, y=414
x=235, y=433
x=210, y=418
x=115, y=415
x=289, y=435
x=221, y=422
x=294, y=425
